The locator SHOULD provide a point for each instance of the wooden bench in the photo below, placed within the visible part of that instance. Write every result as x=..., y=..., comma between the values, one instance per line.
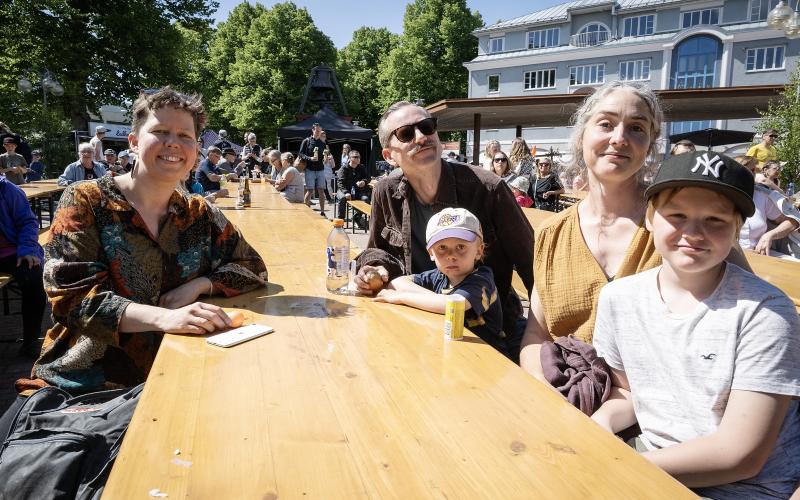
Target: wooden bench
x=361, y=206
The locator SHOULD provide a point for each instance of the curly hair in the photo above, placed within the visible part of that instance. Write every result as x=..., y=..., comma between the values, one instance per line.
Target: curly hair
x=154, y=99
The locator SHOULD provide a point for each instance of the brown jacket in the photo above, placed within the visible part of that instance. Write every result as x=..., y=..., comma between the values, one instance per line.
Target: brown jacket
x=506, y=232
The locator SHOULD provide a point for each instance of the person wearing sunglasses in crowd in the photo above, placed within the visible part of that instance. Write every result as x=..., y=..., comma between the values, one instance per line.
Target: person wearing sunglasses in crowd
x=502, y=167
x=425, y=184
x=765, y=150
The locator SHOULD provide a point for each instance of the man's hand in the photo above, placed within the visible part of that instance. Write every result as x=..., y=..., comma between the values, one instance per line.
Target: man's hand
x=371, y=279
x=32, y=261
x=361, y=184
x=196, y=318
x=348, y=196
x=184, y=294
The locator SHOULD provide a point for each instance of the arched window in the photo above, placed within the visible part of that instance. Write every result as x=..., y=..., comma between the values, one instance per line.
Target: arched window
x=695, y=65
x=591, y=34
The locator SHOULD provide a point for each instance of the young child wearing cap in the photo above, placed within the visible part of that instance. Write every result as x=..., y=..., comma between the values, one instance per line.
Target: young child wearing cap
x=12, y=164
x=705, y=356
x=454, y=240
x=519, y=186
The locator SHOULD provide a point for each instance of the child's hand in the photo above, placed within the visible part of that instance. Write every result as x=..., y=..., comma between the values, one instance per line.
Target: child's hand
x=389, y=296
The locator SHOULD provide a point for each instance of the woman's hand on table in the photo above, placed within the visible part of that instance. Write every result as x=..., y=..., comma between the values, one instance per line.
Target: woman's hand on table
x=199, y=318
x=184, y=294
x=764, y=243
x=370, y=279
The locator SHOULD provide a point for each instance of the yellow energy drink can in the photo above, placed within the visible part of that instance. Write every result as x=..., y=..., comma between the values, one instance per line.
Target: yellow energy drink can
x=454, y=317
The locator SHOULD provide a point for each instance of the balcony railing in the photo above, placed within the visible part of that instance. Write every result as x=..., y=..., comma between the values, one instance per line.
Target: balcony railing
x=589, y=39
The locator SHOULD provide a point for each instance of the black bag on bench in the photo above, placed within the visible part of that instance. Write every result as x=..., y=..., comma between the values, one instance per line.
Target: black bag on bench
x=61, y=446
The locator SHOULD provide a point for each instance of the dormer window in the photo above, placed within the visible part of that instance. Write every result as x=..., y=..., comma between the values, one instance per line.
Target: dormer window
x=590, y=35
x=543, y=38
x=496, y=44
x=639, y=25
x=697, y=17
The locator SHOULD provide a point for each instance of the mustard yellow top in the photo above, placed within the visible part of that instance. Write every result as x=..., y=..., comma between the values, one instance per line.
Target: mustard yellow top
x=569, y=279
x=763, y=153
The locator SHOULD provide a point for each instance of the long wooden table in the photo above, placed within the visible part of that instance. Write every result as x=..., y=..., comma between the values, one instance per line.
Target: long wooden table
x=350, y=398
x=38, y=191
x=783, y=273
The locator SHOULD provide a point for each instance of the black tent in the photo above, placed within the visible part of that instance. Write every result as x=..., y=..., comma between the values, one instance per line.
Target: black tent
x=338, y=131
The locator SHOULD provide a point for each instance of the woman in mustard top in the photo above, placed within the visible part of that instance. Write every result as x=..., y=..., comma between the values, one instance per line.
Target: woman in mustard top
x=602, y=237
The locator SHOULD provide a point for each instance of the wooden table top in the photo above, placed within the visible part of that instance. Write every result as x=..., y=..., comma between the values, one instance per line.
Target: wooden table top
x=38, y=190
x=350, y=398
x=574, y=195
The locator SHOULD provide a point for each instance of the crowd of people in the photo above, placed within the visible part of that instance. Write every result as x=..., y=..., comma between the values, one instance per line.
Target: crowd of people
x=645, y=277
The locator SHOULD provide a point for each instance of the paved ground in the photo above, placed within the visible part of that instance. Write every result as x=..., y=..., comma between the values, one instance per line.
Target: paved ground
x=13, y=366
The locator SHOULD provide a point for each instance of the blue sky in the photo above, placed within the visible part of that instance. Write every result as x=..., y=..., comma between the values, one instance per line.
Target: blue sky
x=338, y=19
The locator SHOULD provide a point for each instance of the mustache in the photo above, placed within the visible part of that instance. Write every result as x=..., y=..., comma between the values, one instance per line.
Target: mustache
x=416, y=149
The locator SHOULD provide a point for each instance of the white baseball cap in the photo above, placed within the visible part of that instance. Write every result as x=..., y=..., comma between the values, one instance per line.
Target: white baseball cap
x=452, y=223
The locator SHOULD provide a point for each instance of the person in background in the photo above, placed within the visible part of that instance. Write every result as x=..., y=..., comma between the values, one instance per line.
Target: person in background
x=97, y=142
x=502, y=167
x=455, y=245
x=682, y=146
x=770, y=176
x=209, y=176
x=23, y=148
x=329, y=167
x=519, y=186
x=36, y=168
x=351, y=184
x=251, y=154
x=226, y=163
x=223, y=143
x=546, y=187
x=492, y=147
x=765, y=150
x=290, y=180
x=755, y=233
x=13, y=165
x=83, y=169
x=345, y=159
x=521, y=160
x=125, y=161
x=311, y=150
x=22, y=257
x=110, y=162
x=705, y=356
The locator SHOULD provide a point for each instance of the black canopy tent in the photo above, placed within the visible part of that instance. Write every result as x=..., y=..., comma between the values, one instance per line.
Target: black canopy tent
x=338, y=131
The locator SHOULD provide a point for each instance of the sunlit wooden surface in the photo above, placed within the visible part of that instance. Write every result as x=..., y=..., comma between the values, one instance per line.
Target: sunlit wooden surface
x=41, y=190
x=354, y=399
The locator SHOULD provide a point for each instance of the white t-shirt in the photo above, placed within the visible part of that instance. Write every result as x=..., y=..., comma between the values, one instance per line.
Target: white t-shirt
x=681, y=369
x=755, y=227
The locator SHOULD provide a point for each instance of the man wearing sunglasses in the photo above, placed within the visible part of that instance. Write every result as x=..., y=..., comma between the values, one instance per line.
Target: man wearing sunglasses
x=765, y=150
x=425, y=183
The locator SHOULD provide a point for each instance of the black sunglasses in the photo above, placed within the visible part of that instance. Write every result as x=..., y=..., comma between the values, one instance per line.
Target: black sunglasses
x=406, y=132
x=773, y=135
x=496, y=160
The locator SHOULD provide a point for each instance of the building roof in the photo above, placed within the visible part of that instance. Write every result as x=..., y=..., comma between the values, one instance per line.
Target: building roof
x=560, y=13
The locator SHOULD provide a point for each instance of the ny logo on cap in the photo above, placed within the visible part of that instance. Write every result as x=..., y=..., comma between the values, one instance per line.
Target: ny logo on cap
x=709, y=165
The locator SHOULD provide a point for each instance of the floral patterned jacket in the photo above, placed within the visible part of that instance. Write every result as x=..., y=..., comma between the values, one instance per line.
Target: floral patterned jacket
x=100, y=257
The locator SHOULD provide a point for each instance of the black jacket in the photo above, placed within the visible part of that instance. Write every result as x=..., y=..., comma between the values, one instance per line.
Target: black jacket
x=346, y=178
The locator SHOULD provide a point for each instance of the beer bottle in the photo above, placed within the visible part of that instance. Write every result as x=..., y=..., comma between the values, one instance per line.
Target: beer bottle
x=246, y=198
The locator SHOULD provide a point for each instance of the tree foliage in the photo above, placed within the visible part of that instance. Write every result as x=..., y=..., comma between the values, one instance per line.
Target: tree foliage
x=264, y=85
x=784, y=116
x=360, y=71
x=100, y=55
x=428, y=63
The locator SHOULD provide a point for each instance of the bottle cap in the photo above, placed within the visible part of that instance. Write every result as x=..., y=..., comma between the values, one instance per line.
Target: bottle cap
x=338, y=222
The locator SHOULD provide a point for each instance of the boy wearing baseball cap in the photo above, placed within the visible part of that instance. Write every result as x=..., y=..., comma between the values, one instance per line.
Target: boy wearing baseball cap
x=705, y=356
x=454, y=240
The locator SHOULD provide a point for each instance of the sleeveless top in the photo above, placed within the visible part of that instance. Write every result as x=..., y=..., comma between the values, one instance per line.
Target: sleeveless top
x=569, y=279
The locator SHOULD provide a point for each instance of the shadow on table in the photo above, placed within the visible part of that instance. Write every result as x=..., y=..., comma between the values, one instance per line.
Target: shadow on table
x=273, y=304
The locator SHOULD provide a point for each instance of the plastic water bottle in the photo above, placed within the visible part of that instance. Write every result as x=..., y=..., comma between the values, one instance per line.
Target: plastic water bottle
x=790, y=190
x=338, y=254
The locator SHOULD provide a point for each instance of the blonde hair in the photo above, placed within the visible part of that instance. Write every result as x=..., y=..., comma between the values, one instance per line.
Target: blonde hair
x=519, y=150
x=748, y=162
x=586, y=110
x=489, y=145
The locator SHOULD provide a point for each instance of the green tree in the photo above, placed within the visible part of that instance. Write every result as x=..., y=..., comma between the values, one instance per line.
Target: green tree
x=266, y=81
x=437, y=39
x=100, y=55
x=360, y=71
x=784, y=116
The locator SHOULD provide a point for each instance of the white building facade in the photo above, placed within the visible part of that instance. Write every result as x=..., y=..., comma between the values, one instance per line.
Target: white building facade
x=668, y=44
